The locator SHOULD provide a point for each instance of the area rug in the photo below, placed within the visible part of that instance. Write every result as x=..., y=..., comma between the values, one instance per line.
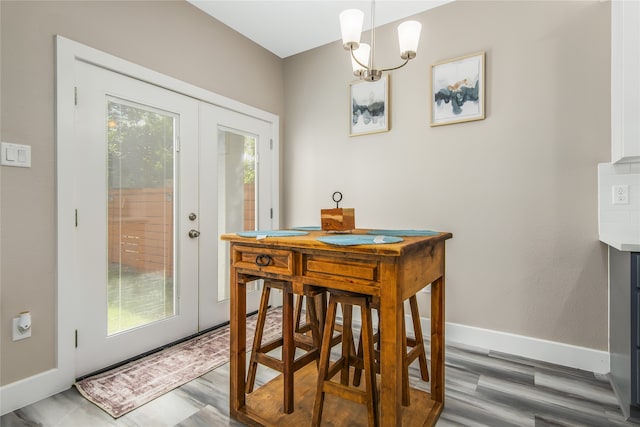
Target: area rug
x=130, y=386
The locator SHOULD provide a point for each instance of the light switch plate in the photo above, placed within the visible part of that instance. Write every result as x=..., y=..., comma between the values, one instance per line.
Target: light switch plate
x=15, y=155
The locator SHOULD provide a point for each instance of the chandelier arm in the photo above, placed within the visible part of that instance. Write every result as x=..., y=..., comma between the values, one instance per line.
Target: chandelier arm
x=384, y=69
x=395, y=68
x=358, y=62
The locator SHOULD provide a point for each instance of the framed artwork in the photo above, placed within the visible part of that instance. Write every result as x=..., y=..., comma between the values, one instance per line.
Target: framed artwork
x=369, y=107
x=457, y=90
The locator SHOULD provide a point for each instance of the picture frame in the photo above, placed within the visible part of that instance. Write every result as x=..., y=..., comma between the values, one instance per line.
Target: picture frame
x=369, y=107
x=458, y=90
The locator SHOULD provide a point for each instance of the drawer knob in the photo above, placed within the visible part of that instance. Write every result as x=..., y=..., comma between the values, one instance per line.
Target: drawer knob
x=263, y=260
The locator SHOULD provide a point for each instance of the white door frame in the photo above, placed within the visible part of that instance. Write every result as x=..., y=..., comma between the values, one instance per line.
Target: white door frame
x=40, y=386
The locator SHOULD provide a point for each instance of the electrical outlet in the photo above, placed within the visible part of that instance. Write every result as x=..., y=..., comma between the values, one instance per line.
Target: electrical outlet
x=18, y=333
x=620, y=194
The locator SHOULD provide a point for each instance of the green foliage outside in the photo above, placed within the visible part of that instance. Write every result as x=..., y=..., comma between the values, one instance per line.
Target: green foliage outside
x=137, y=299
x=140, y=147
x=249, y=160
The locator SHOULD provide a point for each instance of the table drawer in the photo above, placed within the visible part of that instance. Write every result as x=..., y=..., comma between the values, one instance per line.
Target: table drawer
x=326, y=266
x=263, y=259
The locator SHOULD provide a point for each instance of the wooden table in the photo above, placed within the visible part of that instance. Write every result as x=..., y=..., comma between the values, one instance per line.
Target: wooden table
x=394, y=272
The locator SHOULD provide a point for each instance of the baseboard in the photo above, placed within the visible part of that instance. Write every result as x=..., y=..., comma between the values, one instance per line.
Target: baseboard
x=572, y=356
x=587, y=359
x=32, y=389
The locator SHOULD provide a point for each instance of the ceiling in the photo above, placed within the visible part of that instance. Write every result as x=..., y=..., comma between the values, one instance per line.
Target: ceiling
x=292, y=26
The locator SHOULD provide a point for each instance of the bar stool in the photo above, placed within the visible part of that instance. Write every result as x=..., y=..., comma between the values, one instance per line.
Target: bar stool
x=414, y=349
x=327, y=371
x=288, y=363
x=319, y=296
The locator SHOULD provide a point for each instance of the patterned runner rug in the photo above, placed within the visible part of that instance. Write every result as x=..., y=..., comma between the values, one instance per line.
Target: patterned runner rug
x=130, y=386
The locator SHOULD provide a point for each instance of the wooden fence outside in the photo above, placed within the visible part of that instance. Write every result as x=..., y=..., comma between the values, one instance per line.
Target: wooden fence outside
x=249, y=207
x=141, y=227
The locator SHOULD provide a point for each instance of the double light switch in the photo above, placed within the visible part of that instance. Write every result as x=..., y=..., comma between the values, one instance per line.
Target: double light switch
x=15, y=155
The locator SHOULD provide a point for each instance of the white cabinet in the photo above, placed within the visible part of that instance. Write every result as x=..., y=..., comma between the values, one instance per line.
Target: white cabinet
x=625, y=81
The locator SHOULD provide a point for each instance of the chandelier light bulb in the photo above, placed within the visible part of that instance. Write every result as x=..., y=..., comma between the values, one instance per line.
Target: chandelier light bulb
x=351, y=27
x=409, y=37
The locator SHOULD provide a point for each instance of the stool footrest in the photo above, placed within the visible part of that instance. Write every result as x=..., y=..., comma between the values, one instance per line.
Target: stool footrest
x=350, y=393
x=269, y=361
x=271, y=345
x=414, y=353
x=305, y=359
x=304, y=342
x=303, y=328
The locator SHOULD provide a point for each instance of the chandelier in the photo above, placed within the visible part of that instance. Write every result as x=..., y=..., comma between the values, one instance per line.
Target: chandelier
x=362, y=54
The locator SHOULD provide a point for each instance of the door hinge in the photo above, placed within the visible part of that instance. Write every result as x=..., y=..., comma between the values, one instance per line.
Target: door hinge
x=271, y=144
x=271, y=213
x=75, y=95
x=177, y=144
x=76, y=217
x=76, y=338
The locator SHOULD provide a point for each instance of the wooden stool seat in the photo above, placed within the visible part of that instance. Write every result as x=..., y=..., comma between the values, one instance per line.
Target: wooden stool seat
x=288, y=363
x=326, y=370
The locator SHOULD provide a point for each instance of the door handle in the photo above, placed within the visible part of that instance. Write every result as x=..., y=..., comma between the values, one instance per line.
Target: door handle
x=193, y=233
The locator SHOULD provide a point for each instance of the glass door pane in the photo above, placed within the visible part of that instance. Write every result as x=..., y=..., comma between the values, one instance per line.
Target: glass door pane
x=237, y=189
x=140, y=215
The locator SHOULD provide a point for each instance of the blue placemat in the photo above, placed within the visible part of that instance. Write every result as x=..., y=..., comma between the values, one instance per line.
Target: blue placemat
x=358, y=239
x=404, y=233
x=308, y=228
x=271, y=233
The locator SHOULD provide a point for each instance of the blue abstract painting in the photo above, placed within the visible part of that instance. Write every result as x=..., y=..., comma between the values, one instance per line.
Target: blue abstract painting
x=457, y=90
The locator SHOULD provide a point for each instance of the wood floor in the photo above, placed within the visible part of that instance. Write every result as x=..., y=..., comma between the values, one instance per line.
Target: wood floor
x=482, y=389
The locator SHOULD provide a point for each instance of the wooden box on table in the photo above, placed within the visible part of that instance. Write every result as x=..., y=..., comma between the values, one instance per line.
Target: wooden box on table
x=338, y=219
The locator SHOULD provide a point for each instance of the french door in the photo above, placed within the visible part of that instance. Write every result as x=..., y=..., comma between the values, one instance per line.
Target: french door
x=159, y=176
x=235, y=177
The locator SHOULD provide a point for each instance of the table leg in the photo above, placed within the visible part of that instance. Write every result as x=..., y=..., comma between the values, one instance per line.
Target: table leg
x=391, y=322
x=437, y=339
x=288, y=349
x=238, y=338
